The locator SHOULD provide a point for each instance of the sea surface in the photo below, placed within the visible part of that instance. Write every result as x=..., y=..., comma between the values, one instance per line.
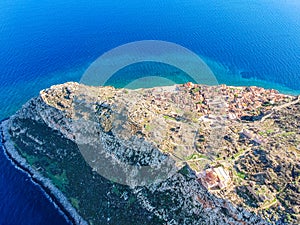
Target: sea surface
x=48, y=42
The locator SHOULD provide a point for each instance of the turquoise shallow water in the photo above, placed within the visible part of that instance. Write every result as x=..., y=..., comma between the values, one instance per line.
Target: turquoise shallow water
x=13, y=98
x=50, y=42
x=245, y=43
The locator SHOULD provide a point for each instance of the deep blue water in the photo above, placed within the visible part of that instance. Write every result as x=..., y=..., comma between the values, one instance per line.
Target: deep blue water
x=47, y=42
x=22, y=202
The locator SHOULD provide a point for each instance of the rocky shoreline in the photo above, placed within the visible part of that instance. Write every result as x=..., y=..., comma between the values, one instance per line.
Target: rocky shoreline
x=53, y=193
x=235, y=153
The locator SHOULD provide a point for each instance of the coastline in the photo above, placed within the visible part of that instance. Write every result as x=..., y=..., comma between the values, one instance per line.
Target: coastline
x=55, y=196
x=242, y=102
x=224, y=75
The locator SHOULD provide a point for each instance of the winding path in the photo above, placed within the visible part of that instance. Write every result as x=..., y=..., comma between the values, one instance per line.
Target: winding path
x=277, y=108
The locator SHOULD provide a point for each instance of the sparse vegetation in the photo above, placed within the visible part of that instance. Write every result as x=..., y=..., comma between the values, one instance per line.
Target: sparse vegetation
x=196, y=156
x=167, y=117
x=258, y=170
x=75, y=202
x=148, y=127
x=241, y=175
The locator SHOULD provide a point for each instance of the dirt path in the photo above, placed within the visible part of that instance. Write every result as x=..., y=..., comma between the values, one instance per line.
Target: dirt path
x=277, y=108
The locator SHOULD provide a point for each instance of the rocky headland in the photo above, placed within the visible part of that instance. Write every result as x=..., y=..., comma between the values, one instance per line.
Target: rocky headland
x=185, y=154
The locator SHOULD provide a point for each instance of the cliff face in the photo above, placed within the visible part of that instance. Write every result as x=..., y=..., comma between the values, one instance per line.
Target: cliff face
x=136, y=156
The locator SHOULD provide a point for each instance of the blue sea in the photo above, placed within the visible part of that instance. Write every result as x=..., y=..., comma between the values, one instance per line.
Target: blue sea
x=47, y=42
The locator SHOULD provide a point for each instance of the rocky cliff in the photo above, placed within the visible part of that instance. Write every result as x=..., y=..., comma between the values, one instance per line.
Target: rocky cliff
x=147, y=156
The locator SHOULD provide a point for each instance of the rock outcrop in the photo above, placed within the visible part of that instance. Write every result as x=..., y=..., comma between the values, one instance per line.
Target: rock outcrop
x=132, y=156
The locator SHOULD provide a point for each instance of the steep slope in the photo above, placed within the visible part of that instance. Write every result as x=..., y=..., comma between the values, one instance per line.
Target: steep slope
x=135, y=156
